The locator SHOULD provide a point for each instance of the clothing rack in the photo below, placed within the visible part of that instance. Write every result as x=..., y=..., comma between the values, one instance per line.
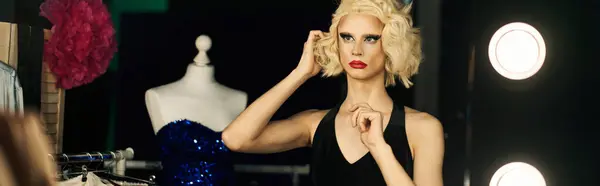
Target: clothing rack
x=117, y=158
x=294, y=170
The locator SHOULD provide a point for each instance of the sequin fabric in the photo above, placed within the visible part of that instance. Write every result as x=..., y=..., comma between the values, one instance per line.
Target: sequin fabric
x=193, y=154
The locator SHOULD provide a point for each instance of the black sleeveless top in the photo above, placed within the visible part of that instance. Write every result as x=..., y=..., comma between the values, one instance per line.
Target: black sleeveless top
x=329, y=167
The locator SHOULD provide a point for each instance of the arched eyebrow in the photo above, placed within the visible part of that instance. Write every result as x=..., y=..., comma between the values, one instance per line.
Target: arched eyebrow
x=374, y=36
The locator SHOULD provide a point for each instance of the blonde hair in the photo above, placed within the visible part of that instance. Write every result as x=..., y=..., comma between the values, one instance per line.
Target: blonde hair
x=24, y=152
x=401, y=42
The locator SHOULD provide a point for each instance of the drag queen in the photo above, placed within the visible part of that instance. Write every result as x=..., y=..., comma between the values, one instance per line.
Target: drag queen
x=366, y=139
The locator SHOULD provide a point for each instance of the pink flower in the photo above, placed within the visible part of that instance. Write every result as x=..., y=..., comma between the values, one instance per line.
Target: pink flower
x=83, y=40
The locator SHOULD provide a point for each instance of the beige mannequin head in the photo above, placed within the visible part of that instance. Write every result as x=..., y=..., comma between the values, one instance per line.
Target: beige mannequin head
x=377, y=32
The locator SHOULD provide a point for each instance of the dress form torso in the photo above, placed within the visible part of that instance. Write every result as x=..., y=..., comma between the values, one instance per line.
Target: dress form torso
x=187, y=117
x=196, y=97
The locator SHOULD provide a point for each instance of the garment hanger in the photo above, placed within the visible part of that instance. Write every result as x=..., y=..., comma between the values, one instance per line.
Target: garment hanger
x=70, y=168
x=84, y=173
x=84, y=169
x=113, y=177
x=64, y=172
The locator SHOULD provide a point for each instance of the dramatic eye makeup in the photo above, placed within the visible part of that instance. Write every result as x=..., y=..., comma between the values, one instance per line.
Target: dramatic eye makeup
x=369, y=38
x=346, y=37
x=372, y=38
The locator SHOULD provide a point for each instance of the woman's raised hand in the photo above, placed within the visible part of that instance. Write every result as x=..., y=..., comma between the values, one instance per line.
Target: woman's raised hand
x=307, y=65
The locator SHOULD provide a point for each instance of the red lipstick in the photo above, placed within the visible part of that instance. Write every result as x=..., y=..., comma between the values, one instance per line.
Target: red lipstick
x=357, y=64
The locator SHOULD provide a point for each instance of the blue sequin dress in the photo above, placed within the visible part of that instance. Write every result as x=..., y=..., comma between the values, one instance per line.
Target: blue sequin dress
x=193, y=154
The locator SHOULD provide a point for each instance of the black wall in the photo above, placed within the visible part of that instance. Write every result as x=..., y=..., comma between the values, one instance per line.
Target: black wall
x=454, y=50
x=24, y=12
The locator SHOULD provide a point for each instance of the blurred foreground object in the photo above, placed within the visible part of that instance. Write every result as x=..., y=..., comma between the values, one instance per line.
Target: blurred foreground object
x=24, y=152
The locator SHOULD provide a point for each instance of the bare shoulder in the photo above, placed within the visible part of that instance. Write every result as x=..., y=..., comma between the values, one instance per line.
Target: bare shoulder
x=421, y=124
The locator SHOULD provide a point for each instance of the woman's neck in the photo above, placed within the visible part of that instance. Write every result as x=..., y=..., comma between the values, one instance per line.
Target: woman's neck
x=371, y=91
x=199, y=74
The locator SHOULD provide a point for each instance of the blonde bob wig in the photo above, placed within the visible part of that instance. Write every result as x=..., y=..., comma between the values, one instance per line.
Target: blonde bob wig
x=401, y=42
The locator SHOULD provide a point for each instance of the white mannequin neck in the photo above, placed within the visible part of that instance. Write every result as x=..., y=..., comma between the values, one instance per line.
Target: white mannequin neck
x=199, y=74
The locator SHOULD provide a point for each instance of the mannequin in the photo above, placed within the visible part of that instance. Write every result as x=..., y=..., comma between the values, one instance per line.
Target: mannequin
x=197, y=96
x=188, y=116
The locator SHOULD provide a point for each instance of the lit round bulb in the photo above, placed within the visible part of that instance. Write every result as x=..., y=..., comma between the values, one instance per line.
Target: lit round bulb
x=517, y=51
x=517, y=174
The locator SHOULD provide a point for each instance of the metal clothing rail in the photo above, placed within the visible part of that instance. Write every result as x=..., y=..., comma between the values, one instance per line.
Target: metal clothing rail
x=116, y=160
x=273, y=169
x=140, y=165
x=268, y=169
x=293, y=170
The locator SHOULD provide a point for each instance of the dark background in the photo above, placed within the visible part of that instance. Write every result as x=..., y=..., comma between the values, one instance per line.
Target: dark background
x=547, y=120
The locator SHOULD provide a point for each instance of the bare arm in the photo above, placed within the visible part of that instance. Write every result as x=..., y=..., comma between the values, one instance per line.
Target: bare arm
x=428, y=137
x=429, y=152
x=252, y=132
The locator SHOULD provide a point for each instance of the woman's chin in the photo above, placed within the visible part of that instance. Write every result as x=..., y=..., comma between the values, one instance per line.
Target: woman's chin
x=361, y=74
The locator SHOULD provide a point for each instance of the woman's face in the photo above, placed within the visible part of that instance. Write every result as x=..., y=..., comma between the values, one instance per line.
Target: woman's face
x=360, y=49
